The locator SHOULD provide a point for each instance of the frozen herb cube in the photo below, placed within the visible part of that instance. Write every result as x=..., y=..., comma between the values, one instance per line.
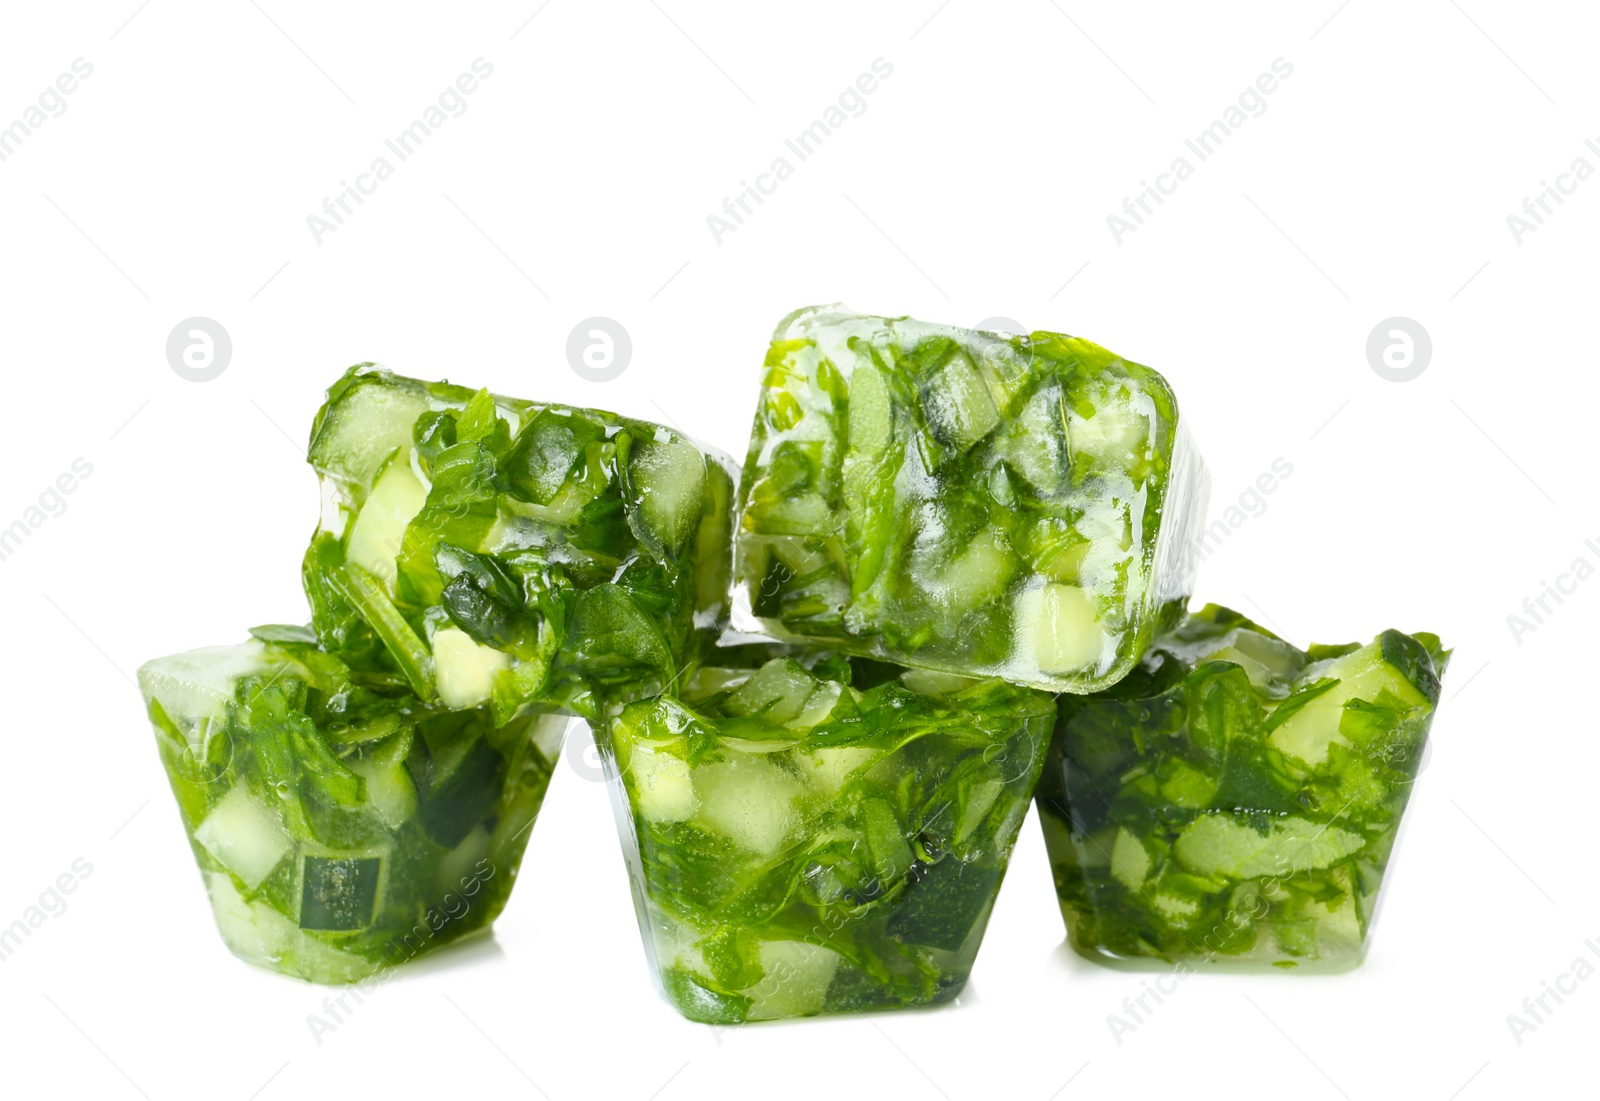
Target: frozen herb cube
x=482, y=550
x=1021, y=507
x=819, y=839
x=1236, y=799
x=341, y=826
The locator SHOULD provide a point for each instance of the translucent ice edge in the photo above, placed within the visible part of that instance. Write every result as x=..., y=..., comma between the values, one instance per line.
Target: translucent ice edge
x=1176, y=560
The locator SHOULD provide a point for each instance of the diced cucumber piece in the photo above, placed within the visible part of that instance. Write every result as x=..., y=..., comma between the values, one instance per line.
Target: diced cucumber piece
x=465, y=669
x=370, y=421
x=1058, y=629
x=886, y=844
x=663, y=789
x=818, y=706
x=801, y=514
x=797, y=979
x=1113, y=433
x=1130, y=860
x=1338, y=924
x=776, y=693
x=1214, y=845
x=927, y=682
x=379, y=530
x=1367, y=673
x=666, y=479
x=957, y=403
x=827, y=770
x=244, y=837
x=1364, y=674
x=871, y=412
x=980, y=573
x=1184, y=785
x=1310, y=731
x=339, y=893
x=750, y=801
x=391, y=793
x=549, y=733
x=1266, y=660
x=708, y=680
x=459, y=865
x=1035, y=444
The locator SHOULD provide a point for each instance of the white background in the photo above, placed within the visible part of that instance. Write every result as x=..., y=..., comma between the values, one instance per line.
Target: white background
x=977, y=183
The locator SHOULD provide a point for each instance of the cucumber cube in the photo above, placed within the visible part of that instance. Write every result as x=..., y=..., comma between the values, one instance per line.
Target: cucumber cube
x=504, y=553
x=340, y=829
x=796, y=978
x=244, y=837
x=378, y=533
x=957, y=403
x=868, y=812
x=663, y=786
x=1235, y=800
x=1020, y=507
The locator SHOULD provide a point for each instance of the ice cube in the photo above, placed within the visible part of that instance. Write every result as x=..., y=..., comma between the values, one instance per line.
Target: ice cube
x=510, y=553
x=973, y=472
x=883, y=821
x=343, y=831
x=1245, y=812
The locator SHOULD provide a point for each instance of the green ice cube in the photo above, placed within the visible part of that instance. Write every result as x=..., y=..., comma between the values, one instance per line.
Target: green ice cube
x=491, y=551
x=1235, y=799
x=1022, y=507
x=341, y=826
x=823, y=839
